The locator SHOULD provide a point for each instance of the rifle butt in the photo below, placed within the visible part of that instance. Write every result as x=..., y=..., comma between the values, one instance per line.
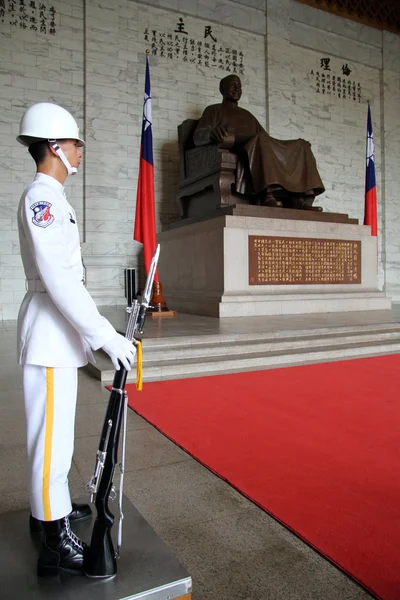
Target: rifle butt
x=99, y=559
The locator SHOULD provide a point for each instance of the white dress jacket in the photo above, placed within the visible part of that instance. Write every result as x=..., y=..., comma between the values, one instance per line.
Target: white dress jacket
x=58, y=322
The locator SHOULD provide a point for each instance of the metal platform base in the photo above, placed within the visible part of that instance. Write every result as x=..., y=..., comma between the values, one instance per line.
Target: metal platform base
x=147, y=569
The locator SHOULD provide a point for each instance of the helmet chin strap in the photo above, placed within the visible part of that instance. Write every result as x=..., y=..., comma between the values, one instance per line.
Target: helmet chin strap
x=56, y=147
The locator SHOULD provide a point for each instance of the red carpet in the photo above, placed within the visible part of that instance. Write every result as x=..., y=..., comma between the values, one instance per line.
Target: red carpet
x=317, y=447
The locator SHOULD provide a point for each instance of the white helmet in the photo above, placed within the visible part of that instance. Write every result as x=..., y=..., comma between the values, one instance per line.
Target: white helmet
x=47, y=121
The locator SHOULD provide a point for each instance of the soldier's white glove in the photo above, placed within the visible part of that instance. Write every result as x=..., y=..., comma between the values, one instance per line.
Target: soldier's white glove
x=120, y=349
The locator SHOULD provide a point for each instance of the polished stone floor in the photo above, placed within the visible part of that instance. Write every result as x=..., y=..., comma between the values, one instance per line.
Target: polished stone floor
x=191, y=325
x=232, y=549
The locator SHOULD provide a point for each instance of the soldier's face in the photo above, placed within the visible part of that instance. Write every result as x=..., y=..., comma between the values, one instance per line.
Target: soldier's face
x=233, y=89
x=72, y=151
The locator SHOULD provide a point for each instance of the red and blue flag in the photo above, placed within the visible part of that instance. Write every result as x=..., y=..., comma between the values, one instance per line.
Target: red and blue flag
x=145, y=222
x=370, y=212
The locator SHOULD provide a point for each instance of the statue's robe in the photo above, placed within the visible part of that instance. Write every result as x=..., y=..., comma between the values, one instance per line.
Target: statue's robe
x=265, y=162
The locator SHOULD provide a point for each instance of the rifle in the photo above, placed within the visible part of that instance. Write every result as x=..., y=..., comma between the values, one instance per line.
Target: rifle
x=100, y=558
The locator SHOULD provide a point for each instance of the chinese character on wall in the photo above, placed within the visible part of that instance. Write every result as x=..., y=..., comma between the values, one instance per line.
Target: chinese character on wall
x=345, y=70
x=328, y=82
x=208, y=33
x=180, y=27
x=29, y=14
x=178, y=44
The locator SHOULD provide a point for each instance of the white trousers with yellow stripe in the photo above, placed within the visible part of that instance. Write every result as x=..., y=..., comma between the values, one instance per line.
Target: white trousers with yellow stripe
x=50, y=402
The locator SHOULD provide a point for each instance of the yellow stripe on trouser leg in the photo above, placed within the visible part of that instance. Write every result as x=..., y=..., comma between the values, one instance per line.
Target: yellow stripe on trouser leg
x=48, y=440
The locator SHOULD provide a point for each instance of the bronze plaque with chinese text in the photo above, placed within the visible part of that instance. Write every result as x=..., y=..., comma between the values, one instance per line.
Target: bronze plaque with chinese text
x=291, y=261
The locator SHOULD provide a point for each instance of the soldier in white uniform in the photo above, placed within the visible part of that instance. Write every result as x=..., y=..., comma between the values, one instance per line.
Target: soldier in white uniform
x=58, y=327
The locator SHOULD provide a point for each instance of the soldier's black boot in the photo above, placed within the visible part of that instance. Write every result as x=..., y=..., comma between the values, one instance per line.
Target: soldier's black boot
x=79, y=512
x=61, y=549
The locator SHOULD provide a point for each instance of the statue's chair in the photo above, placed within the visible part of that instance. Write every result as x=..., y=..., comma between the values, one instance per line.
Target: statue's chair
x=207, y=175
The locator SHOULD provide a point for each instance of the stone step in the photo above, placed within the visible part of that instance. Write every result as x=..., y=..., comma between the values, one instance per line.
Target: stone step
x=221, y=337
x=160, y=353
x=191, y=356
x=261, y=362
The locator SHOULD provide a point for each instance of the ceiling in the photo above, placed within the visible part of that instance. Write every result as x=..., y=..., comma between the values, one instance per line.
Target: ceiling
x=381, y=14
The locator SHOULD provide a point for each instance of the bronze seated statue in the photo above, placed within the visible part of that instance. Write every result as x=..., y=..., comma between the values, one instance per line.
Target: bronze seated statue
x=228, y=158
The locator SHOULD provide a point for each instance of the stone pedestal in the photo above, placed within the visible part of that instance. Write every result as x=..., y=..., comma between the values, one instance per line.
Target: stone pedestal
x=147, y=569
x=204, y=267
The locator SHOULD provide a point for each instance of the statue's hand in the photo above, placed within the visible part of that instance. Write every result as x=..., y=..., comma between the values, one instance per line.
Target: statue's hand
x=218, y=133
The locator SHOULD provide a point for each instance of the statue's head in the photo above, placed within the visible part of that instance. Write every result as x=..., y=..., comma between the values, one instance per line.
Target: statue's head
x=231, y=88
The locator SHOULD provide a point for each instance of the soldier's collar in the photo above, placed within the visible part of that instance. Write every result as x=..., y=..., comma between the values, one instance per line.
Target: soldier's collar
x=49, y=181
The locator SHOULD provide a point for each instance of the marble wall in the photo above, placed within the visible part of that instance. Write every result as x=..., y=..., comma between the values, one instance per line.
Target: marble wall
x=115, y=63
x=312, y=47
x=94, y=66
x=390, y=163
x=35, y=67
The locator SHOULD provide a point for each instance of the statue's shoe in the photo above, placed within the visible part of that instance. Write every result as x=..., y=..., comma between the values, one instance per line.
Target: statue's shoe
x=79, y=512
x=305, y=203
x=272, y=202
x=308, y=207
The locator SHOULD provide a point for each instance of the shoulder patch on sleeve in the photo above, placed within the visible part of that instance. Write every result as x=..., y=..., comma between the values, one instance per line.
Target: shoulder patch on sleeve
x=42, y=216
